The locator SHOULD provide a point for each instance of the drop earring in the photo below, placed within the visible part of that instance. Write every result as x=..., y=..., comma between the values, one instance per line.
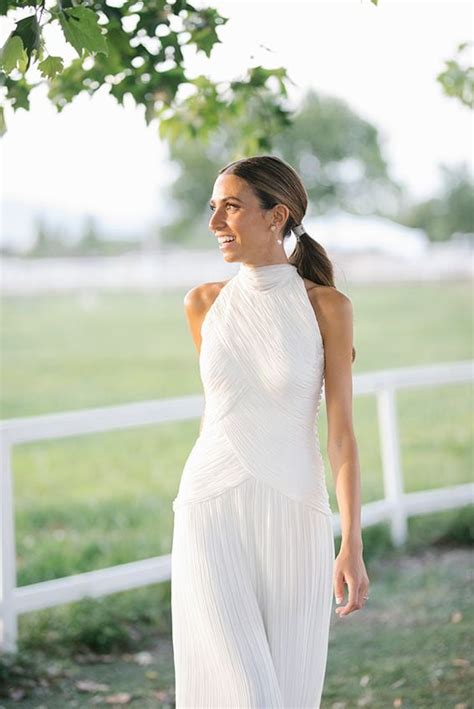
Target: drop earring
x=273, y=227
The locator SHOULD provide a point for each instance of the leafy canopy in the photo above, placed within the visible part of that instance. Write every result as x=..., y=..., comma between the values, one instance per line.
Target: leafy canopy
x=136, y=48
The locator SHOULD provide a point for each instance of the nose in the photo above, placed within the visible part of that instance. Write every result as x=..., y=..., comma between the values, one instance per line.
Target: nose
x=217, y=219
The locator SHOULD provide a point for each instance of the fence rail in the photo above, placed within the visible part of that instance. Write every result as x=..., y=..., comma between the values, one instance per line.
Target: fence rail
x=395, y=507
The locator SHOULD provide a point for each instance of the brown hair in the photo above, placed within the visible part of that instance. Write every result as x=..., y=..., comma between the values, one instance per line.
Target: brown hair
x=275, y=182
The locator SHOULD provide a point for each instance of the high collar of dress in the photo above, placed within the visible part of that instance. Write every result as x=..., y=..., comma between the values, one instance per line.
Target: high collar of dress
x=264, y=278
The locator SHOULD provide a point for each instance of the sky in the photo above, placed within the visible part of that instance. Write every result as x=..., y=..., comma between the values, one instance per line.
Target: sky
x=101, y=158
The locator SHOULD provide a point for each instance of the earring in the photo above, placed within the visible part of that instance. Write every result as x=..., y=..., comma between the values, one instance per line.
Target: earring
x=273, y=227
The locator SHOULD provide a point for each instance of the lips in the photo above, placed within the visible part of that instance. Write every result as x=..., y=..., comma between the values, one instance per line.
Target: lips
x=226, y=244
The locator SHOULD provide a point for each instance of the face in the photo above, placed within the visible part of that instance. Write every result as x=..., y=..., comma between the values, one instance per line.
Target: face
x=236, y=212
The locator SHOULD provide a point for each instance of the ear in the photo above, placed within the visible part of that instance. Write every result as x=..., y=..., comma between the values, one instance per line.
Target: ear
x=280, y=215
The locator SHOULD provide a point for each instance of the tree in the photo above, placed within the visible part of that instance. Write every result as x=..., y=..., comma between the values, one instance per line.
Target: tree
x=336, y=152
x=135, y=49
x=90, y=243
x=47, y=241
x=451, y=211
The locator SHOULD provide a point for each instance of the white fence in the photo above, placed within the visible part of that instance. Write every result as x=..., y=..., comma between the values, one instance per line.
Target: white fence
x=395, y=507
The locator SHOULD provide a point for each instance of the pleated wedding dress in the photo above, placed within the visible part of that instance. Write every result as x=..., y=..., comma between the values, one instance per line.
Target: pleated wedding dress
x=253, y=548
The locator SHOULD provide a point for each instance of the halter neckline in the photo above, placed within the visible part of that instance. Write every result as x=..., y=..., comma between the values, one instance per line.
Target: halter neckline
x=267, y=277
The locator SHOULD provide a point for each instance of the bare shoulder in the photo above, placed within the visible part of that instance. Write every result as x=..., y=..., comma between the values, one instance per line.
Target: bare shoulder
x=197, y=302
x=331, y=306
x=200, y=298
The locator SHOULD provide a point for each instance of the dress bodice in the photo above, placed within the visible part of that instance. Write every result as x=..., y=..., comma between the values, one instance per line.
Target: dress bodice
x=262, y=367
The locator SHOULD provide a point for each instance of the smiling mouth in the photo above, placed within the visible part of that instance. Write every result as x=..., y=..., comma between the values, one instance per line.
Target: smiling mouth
x=226, y=242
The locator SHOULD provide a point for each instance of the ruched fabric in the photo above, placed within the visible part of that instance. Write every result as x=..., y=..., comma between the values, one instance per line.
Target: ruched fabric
x=253, y=548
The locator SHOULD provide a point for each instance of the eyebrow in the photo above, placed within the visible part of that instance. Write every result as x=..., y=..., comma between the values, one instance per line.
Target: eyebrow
x=228, y=197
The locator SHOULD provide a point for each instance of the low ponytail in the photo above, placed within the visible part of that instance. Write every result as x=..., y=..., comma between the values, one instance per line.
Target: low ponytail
x=312, y=262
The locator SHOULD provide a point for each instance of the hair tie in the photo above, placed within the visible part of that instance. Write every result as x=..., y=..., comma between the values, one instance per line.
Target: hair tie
x=298, y=231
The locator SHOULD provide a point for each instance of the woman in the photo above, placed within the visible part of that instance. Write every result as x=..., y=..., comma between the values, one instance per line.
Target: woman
x=253, y=566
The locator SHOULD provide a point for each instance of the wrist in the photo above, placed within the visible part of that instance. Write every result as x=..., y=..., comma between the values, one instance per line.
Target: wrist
x=353, y=542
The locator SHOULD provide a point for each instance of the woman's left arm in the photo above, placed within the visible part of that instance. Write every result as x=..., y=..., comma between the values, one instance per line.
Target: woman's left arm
x=334, y=313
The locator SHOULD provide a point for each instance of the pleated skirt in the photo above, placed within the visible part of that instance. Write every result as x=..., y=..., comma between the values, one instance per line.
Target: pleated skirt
x=251, y=600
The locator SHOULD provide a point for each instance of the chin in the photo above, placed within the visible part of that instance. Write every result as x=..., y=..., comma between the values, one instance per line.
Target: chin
x=230, y=257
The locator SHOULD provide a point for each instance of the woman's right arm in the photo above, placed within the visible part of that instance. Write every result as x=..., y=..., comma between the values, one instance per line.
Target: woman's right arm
x=197, y=302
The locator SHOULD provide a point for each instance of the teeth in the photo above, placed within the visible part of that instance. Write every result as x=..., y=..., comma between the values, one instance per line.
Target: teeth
x=225, y=239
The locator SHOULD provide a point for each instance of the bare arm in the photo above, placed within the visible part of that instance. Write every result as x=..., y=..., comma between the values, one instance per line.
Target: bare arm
x=334, y=313
x=336, y=323
x=342, y=445
x=197, y=302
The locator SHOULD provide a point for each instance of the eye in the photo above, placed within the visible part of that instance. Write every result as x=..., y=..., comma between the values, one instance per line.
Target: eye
x=235, y=206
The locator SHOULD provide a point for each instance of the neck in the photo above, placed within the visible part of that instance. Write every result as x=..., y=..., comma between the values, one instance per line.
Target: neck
x=248, y=264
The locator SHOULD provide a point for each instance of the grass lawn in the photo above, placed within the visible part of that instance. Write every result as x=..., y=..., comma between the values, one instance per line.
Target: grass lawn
x=92, y=501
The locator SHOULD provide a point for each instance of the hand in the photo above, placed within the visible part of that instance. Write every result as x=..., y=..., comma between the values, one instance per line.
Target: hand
x=349, y=568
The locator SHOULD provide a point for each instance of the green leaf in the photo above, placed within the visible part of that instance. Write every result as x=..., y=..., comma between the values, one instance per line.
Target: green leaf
x=3, y=125
x=81, y=29
x=51, y=66
x=12, y=52
x=29, y=31
x=23, y=62
x=18, y=91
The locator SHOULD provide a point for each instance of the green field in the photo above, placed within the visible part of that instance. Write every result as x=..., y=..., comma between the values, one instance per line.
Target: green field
x=98, y=500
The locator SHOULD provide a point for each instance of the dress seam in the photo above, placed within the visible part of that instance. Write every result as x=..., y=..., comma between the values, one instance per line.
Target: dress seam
x=303, y=503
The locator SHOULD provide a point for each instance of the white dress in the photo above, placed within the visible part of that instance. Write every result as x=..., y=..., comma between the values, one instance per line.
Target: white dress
x=253, y=547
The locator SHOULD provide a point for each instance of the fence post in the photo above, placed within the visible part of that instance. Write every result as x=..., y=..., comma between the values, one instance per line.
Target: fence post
x=391, y=464
x=8, y=618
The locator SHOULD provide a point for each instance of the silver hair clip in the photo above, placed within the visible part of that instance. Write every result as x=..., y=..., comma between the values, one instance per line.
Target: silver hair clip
x=298, y=231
